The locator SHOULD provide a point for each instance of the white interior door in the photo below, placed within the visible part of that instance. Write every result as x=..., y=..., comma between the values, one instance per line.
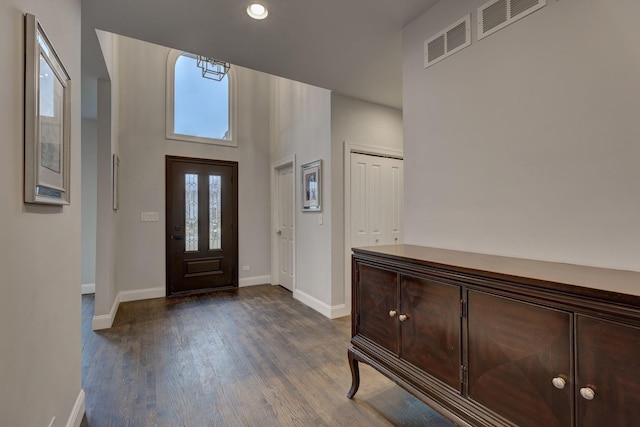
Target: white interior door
x=376, y=200
x=286, y=242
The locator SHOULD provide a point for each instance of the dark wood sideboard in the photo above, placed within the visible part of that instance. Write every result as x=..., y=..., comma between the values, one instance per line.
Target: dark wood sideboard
x=492, y=341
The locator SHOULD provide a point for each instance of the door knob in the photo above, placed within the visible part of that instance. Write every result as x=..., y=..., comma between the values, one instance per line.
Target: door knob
x=559, y=382
x=403, y=317
x=177, y=238
x=587, y=393
x=392, y=313
x=279, y=232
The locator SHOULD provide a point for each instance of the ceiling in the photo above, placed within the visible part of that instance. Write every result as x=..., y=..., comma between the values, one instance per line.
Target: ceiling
x=352, y=47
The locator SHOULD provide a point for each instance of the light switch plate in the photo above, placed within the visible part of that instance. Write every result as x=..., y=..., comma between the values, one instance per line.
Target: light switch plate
x=149, y=216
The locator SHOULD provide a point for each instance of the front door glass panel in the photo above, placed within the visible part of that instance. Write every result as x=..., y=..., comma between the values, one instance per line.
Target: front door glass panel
x=215, y=230
x=191, y=212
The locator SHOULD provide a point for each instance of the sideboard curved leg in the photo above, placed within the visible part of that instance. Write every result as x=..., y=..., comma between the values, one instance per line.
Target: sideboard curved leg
x=355, y=374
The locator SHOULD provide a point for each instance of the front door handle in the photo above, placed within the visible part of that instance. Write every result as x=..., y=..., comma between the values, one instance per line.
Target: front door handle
x=177, y=238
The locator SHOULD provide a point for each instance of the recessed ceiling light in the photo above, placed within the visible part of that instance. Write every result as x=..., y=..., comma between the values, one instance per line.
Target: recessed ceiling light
x=257, y=11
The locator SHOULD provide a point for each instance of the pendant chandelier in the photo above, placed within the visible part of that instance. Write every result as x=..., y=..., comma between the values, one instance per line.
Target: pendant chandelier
x=213, y=69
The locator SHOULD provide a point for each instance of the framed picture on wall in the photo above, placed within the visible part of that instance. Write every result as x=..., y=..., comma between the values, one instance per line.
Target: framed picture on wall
x=47, y=116
x=312, y=186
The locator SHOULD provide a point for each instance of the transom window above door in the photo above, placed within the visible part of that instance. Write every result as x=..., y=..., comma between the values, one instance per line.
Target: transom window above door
x=199, y=109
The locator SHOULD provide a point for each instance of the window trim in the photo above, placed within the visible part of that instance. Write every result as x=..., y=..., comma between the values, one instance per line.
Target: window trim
x=172, y=58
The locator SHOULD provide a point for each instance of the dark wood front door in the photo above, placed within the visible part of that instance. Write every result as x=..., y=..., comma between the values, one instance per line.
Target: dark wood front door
x=202, y=218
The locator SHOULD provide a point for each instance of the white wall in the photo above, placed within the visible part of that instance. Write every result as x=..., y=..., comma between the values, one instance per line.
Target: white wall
x=365, y=123
x=301, y=126
x=89, y=199
x=40, y=263
x=526, y=143
x=140, y=261
x=362, y=123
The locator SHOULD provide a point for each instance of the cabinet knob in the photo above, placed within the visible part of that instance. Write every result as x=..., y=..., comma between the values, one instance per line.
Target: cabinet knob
x=587, y=393
x=559, y=382
x=392, y=313
x=403, y=317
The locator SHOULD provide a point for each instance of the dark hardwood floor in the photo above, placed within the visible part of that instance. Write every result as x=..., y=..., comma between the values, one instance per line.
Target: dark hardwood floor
x=254, y=357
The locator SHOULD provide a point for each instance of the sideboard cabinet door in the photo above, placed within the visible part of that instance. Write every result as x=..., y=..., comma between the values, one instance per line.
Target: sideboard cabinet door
x=377, y=295
x=515, y=351
x=431, y=333
x=609, y=366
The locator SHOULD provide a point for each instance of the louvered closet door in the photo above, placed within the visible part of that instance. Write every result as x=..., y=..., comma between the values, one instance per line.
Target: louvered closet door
x=376, y=200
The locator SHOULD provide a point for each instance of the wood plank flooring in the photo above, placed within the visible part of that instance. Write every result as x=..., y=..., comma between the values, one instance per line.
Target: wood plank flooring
x=253, y=357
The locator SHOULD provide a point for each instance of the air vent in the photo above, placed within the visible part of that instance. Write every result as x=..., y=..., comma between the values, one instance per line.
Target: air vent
x=497, y=14
x=456, y=37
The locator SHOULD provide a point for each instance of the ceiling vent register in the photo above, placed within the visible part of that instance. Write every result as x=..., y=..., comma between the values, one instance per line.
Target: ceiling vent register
x=497, y=14
x=453, y=39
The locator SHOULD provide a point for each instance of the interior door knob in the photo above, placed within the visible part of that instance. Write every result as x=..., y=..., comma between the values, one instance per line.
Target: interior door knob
x=392, y=313
x=587, y=393
x=403, y=317
x=559, y=382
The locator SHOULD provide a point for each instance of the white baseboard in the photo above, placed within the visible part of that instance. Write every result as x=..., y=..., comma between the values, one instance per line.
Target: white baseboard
x=253, y=281
x=340, y=310
x=141, y=294
x=105, y=321
x=77, y=412
x=332, y=312
x=88, y=288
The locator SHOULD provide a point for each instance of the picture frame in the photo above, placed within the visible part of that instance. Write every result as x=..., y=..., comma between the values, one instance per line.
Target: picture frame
x=47, y=120
x=115, y=172
x=311, y=174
